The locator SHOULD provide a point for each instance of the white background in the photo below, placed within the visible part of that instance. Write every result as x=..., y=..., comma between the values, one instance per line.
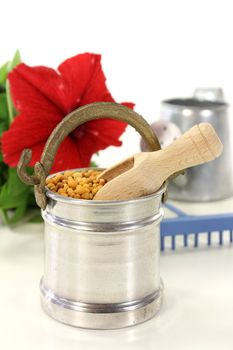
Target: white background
x=152, y=50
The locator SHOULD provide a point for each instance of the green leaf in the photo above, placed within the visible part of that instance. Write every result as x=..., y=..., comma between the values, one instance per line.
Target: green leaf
x=3, y=114
x=14, y=62
x=15, y=184
x=9, y=201
x=17, y=214
x=13, y=193
x=3, y=215
x=3, y=73
x=93, y=164
x=14, y=196
x=3, y=173
x=17, y=199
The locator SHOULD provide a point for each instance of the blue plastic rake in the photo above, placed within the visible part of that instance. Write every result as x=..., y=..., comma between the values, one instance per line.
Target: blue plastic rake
x=184, y=226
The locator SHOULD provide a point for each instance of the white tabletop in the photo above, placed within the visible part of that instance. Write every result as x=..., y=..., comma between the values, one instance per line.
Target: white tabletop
x=197, y=312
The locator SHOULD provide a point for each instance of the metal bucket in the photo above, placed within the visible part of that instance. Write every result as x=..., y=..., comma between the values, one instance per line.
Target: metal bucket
x=101, y=257
x=102, y=261
x=206, y=182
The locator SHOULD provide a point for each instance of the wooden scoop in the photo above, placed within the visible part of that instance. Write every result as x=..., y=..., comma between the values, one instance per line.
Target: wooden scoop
x=145, y=172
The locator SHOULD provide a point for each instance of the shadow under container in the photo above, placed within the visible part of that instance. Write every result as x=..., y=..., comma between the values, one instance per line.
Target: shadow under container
x=102, y=261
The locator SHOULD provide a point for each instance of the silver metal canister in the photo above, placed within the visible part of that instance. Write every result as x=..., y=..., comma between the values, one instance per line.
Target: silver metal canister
x=212, y=181
x=101, y=257
x=102, y=261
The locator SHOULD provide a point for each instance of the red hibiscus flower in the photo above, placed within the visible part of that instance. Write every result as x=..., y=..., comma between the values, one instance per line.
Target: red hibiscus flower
x=43, y=96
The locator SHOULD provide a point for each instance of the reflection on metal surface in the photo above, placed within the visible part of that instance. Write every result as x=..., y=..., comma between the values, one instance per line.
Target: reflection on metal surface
x=102, y=261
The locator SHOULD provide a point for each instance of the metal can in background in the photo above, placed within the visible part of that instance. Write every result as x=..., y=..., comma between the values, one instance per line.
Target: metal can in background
x=212, y=181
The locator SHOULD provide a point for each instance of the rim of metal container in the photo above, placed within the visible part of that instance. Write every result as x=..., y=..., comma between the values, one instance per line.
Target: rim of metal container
x=59, y=198
x=195, y=103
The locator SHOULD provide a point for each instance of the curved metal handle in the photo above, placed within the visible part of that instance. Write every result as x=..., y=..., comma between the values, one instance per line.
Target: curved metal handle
x=65, y=127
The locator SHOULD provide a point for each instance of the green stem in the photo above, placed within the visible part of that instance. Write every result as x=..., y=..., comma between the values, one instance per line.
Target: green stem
x=9, y=103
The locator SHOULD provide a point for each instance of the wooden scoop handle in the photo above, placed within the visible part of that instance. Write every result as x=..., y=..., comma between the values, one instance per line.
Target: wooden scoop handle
x=148, y=170
x=198, y=145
